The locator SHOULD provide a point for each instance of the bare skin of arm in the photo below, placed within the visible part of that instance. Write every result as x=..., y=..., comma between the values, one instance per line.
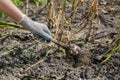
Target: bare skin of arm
x=11, y=10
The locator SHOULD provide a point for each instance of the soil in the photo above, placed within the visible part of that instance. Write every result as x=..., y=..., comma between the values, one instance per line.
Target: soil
x=19, y=49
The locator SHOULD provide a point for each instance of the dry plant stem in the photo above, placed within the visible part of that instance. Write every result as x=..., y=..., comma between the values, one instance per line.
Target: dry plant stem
x=89, y=31
x=84, y=21
x=33, y=65
x=92, y=39
x=93, y=13
x=73, y=4
x=74, y=8
x=26, y=7
x=53, y=20
x=51, y=13
x=62, y=19
x=59, y=44
x=56, y=18
x=58, y=3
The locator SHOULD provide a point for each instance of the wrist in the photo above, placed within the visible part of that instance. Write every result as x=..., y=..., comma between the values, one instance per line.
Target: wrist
x=21, y=19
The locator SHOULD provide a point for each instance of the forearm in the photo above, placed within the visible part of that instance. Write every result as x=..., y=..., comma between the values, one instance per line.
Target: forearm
x=37, y=28
x=11, y=10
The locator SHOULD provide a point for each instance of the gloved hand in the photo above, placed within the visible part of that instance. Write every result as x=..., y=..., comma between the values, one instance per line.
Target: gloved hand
x=36, y=28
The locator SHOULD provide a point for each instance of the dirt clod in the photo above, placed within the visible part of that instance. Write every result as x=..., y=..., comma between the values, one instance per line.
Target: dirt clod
x=80, y=56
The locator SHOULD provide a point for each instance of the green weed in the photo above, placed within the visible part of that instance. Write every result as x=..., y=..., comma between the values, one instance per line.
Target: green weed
x=18, y=3
x=112, y=53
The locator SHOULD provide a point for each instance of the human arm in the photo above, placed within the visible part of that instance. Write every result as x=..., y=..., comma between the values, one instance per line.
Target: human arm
x=37, y=28
x=11, y=10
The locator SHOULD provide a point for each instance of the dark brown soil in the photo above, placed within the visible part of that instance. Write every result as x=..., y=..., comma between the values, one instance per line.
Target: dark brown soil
x=19, y=49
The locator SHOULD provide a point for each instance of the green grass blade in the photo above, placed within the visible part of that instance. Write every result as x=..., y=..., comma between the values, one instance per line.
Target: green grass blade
x=111, y=54
x=8, y=24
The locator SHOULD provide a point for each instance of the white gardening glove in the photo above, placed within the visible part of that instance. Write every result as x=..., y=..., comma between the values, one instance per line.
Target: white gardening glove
x=36, y=28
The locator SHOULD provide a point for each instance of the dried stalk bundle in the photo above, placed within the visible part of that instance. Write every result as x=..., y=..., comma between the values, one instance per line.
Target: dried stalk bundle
x=56, y=18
